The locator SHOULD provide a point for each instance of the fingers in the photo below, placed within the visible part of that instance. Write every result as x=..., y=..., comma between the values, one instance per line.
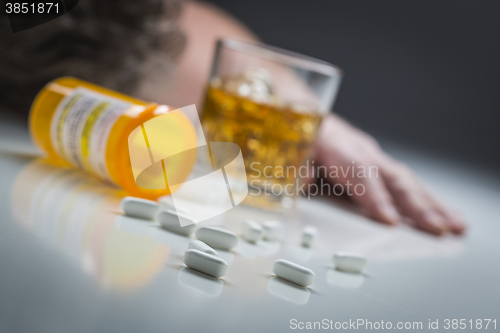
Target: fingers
x=418, y=209
x=415, y=202
x=377, y=201
x=457, y=224
x=453, y=220
x=396, y=193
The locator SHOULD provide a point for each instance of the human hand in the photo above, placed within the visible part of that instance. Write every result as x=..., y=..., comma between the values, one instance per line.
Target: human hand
x=394, y=192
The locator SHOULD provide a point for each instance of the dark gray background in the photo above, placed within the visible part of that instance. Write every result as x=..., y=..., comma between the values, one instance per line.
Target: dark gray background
x=422, y=73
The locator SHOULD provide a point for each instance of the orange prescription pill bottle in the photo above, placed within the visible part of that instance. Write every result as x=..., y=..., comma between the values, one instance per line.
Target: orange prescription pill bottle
x=86, y=126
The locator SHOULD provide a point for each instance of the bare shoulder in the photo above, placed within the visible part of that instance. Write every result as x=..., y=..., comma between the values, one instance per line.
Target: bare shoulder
x=202, y=24
x=213, y=20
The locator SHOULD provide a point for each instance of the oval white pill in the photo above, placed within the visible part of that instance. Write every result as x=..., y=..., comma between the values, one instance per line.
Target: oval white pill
x=166, y=202
x=217, y=237
x=140, y=208
x=169, y=220
x=205, y=263
x=308, y=236
x=292, y=272
x=349, y=262
x=251, y=231
x=200, y=246
x=272, y=230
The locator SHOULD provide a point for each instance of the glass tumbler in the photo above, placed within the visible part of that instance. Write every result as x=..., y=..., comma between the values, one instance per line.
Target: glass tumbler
x=270, y=102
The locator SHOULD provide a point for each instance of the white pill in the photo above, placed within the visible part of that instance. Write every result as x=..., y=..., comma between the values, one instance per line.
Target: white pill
x=308, y=236
x=251, y=231
x=166, y=202
x=200, y=246
x=140, y=208
x=217, y=237
x=349, y=262
x=272, y=230
x=205, y=263
x=169, y=220
x=292, y=272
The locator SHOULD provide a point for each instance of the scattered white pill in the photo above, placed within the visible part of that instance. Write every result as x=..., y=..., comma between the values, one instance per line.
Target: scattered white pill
x=139, y=208
x=205, y=263
x=292, y=272
x=251, y=231
x=308, y=236
x=349, y=262
x=217, y=237
x=200, y=246
x=169, y=220
x=166, y=202
x=272, y=230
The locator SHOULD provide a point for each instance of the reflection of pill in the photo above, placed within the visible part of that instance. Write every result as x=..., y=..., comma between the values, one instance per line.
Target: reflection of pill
x=205, y=263
x=251, y=231
x=272, y=230
x=349, y=262
x=200, y=282
x=217, y=237
x=308, y=236
x=140, y=208
x=288, y=291
x=169, y=220
x=292, y=272
x=200, y=246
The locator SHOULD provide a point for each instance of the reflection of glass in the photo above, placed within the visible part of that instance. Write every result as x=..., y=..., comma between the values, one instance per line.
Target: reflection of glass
x=270, y=102
x=210, y=192
x=288, y=291
x=344, y=279
x=77, y=214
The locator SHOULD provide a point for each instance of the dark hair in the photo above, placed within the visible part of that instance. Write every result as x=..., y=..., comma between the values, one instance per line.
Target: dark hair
x=110, y=43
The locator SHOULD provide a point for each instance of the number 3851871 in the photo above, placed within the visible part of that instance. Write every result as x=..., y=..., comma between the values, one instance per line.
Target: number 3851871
x=31, y=8
x=477, y=324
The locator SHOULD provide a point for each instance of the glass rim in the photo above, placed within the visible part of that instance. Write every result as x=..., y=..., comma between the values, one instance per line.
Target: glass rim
x=281, y=55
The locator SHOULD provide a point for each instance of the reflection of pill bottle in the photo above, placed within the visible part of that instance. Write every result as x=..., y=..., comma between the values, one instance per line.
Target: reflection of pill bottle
x=77, y=215
x=87, y=127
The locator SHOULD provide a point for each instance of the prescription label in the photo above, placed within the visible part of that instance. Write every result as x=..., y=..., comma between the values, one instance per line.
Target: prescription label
x=80, y=129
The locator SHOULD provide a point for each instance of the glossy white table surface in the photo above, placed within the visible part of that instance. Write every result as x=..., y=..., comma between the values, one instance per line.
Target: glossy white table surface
x=69, y=263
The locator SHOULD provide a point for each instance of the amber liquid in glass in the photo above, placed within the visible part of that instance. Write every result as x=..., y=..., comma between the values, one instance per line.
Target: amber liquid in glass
x=275, y=140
